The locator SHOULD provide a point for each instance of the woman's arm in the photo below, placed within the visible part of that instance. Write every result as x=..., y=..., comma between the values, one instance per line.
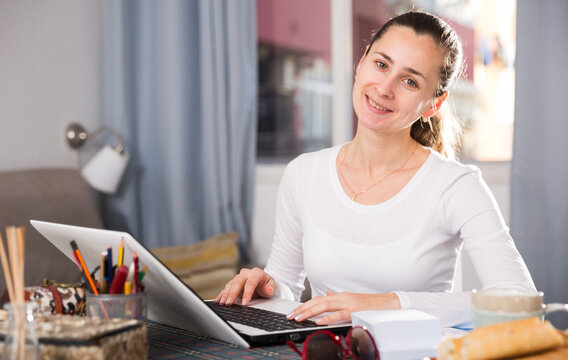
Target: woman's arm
x=286, y=262
x=472, y=212
x=283, y=276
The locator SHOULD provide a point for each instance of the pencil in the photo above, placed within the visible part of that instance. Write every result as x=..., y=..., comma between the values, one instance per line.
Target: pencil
x=102, y=273
x=85, y=270
x=77, y=261
x=121, y=253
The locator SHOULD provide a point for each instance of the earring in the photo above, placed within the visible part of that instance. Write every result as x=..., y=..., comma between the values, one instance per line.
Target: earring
x=426, y=120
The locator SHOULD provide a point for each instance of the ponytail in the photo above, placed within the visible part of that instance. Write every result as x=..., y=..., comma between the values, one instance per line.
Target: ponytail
x=442, y=132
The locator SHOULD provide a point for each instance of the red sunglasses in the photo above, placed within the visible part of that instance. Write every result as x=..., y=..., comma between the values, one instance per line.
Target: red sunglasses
x=325, y=345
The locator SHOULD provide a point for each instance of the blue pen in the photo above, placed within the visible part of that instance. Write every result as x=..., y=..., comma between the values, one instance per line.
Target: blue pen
x=109, y=268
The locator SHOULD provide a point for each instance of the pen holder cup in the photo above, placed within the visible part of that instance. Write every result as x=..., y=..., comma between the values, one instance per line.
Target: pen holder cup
x=106, y=306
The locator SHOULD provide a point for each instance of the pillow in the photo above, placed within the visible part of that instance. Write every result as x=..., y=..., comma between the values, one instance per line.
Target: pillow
x=205, y=266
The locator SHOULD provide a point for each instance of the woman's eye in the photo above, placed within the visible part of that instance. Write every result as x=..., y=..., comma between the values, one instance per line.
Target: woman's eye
x=381, y=65
x=411, y=82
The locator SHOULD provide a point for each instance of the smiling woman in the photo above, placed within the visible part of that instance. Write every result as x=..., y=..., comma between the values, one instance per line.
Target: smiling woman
x=398, y=83
x=379, y=222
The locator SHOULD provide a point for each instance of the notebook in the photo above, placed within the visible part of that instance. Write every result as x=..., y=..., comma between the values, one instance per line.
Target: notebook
x=172, y=302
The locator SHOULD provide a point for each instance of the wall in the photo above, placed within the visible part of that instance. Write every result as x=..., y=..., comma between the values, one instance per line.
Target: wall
x=49, y=77
x=280, y=23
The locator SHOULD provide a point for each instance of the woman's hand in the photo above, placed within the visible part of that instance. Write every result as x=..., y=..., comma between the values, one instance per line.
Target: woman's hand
x=342, y=305
x=248, y=283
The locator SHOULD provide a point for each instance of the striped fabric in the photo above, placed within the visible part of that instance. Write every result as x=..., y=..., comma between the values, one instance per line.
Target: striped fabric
x=205, y=266
x=168, y=342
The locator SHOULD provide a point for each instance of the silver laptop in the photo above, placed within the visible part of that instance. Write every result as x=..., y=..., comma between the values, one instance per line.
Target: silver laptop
x=172, y=302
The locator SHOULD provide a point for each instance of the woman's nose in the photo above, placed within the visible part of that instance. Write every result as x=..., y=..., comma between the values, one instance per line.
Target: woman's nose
x=385, y=86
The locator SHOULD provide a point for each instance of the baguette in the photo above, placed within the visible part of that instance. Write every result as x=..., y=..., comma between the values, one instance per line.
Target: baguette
x=555, y=354
x=502, y=340
x=564, y=335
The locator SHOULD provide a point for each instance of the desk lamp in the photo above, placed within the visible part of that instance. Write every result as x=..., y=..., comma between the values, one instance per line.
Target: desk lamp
x=104, y=171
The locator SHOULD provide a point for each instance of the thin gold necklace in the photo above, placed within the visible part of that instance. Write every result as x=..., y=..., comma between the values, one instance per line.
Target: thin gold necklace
x=359, y=193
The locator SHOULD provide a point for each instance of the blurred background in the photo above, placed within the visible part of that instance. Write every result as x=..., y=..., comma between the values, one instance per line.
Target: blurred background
x=215, y=97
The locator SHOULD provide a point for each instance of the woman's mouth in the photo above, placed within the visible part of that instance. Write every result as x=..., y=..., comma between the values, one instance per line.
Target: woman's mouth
x=377, y=106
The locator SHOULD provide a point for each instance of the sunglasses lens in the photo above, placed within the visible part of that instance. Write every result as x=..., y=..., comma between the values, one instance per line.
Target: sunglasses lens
x=362, y=345
x=322, y=347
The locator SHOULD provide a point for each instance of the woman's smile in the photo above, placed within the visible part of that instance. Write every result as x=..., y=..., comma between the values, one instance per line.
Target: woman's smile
x=377, y=107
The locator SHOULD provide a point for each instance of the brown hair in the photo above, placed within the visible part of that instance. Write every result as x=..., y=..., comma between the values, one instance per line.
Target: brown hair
x=442, y=131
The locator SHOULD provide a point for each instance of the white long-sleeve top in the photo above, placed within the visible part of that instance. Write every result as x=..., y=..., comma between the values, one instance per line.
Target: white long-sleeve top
x=408, y=244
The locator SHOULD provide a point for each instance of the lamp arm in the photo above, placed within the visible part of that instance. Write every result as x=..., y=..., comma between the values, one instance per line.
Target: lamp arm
x=121, y=142
x=76, y=136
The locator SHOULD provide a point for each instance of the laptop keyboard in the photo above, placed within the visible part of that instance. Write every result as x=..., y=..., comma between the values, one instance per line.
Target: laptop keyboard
x=258, y=318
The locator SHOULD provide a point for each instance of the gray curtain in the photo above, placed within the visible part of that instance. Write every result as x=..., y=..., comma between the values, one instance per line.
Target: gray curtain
x=539, y=201
x=180, y=83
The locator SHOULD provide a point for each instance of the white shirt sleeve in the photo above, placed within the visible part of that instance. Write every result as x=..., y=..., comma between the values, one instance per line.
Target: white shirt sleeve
x=452, y=309
x=285, y=262
x=472, y=212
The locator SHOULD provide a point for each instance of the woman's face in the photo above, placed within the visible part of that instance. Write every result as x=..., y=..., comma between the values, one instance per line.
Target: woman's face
x=395, y=82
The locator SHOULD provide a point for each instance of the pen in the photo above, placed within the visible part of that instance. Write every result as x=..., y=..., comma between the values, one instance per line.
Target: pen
x=110, y=272
x=142, y=273
x=128, y=288
x=85, y=270
x=135, y=261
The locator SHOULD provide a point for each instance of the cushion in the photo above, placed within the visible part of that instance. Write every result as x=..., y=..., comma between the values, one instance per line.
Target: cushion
x=55, y=195
x=205, y=266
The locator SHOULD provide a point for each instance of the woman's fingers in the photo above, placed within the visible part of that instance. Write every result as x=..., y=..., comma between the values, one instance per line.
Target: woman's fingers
x=313, y=307
x=314, y=310
x=231, y=290
x=269, y=289
x=236, y=288
x=266, y=288
x=334, y=317
x=222, y=297
x=256, y=281
x=246, y=284
x=342, y=305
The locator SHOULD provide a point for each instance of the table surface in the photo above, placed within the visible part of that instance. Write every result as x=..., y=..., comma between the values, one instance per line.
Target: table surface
x=167, y=342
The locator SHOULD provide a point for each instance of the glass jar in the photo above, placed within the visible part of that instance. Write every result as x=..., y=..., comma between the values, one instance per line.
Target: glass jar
x=21, y=341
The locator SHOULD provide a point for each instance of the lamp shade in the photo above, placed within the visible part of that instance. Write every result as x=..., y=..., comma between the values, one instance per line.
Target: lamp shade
x=104, y=171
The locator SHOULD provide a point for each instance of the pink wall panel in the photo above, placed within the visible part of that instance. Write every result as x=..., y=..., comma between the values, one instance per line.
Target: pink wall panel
x=296, y=24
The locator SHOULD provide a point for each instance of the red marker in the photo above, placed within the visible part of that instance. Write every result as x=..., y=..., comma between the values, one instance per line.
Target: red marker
x=135, y=261
x=117, y=285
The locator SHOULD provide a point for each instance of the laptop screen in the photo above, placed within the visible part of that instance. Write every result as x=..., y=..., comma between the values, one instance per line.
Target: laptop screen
x=170, y=300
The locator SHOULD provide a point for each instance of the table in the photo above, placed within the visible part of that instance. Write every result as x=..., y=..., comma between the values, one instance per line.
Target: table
x=167, y=342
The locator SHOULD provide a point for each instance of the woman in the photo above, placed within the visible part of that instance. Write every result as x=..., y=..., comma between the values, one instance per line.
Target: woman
x=379, y=222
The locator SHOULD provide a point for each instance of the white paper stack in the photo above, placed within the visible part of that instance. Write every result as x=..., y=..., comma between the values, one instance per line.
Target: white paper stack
x=401, y=334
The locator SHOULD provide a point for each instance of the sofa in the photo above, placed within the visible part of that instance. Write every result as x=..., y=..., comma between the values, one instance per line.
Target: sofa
x=55, y=195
